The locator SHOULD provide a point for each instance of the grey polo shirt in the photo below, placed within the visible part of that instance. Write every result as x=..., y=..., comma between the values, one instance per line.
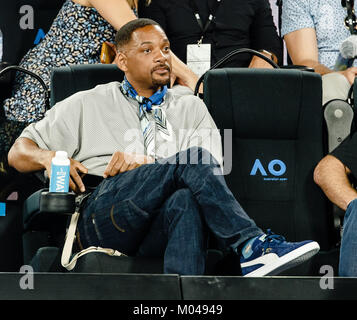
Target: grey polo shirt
x=91, y=125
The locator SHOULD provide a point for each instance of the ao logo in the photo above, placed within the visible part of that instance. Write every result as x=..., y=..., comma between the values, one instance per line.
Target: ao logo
x=275, y=167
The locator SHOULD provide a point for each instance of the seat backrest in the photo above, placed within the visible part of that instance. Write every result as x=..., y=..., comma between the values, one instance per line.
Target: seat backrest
x=22, y=21
x=68, y=80
x=278, y=137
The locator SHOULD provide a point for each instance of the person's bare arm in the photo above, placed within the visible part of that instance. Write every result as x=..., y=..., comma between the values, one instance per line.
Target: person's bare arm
x=116, y=12
x=332, y=176
x=258, y=62
x=26, y=156
x=182, y=73
x=302, y=48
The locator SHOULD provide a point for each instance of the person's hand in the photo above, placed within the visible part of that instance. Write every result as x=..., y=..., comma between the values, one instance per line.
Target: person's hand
x=182, y=73
x=260, y=63
x=350, y=74
x=121, y=162
x=76, y=173
x=172, y=79
x=108, y=53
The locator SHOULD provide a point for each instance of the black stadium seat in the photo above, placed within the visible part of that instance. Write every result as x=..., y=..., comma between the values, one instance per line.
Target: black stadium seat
x=278, y=137
x=68, y=80
x=65, y=81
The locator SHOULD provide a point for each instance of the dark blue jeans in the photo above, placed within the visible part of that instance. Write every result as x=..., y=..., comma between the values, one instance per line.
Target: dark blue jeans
x=166, y=210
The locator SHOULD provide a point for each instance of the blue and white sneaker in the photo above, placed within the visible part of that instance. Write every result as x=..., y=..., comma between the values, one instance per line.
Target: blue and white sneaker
x=269, y=254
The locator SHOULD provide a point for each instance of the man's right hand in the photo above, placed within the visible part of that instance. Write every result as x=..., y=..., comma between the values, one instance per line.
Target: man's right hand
x=76, y=172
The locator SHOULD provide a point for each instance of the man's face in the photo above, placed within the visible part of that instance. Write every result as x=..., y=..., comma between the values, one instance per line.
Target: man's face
x=146, y=59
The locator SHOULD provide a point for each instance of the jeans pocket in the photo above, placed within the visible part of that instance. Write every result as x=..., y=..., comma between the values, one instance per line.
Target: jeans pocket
x=121, y=226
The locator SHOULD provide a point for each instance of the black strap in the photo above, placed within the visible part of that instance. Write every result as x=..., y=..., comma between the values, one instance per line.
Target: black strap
x=279, y=3
x=32, y=74
x=210, y=17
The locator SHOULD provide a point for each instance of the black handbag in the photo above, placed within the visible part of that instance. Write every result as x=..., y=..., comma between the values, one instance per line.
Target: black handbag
x=6, y=79
x=222, y=61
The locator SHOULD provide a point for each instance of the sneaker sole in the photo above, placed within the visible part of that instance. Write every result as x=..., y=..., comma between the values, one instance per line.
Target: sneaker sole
x=287, y=261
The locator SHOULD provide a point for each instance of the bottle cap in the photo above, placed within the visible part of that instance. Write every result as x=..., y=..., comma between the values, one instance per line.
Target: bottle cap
x=61, y=155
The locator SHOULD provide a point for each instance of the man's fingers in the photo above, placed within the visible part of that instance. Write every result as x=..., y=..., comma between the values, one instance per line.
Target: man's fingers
x=121, y=162
x=110, y=165
x=124, y=167
x=117, y=162
x=73, y=186
x=77, y=179
x=81, y=168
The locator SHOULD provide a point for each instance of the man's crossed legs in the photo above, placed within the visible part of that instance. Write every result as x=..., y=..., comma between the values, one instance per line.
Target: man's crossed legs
x=167, y=209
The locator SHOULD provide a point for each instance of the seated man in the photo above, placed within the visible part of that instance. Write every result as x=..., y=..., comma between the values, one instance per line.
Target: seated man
x=313, y=32
x=222, y=27
x=335, y=174
x=162, y=199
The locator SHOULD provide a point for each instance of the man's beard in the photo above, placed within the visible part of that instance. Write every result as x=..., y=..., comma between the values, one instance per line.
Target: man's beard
x=157, y=83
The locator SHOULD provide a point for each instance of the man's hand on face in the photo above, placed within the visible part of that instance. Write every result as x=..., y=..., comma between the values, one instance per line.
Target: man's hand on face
x=121, y=162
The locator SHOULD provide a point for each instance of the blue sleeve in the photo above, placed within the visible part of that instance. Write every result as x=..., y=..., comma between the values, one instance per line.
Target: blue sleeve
x=296, y=15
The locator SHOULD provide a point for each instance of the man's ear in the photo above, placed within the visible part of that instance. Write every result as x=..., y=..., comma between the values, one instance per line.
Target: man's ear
x=121, y=61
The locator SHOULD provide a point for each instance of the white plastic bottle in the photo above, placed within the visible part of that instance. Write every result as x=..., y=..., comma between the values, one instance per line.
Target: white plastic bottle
x=60, y=166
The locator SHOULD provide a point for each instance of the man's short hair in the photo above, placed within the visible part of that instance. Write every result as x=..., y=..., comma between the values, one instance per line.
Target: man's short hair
x=124, y=34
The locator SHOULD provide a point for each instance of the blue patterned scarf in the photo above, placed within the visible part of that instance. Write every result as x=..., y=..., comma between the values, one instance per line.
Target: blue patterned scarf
x=146, y=107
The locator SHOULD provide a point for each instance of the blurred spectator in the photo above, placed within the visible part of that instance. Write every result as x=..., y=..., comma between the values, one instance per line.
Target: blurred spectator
x=235, y=24
x=336, y=174
x=313, y=32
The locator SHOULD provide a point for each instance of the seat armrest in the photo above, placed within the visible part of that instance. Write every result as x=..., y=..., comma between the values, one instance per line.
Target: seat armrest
x=298, y=67
x=43, y=208
x=57, y=202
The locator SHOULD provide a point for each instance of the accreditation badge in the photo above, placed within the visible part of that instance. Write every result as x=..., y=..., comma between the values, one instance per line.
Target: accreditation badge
x=199, y=58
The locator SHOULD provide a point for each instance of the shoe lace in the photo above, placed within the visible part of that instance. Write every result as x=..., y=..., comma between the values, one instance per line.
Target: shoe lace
x=271, y=237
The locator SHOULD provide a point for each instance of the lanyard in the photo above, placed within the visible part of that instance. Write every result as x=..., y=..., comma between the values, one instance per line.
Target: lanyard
x=198, y=17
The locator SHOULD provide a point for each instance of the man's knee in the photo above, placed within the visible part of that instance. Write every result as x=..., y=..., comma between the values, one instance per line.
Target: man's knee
x=334, y=86
x=180, y=203
x=181, y=198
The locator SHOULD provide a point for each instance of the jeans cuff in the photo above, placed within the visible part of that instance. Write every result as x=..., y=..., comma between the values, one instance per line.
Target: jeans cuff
x=245, y=236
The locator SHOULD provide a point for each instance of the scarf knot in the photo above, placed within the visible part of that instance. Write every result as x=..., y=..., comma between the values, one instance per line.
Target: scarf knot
x=146, y=106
